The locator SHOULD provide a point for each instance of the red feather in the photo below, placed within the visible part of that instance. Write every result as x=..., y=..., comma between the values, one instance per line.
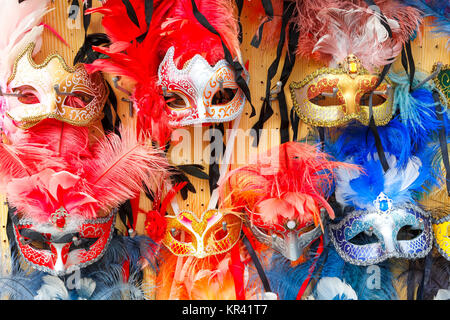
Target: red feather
x=113, y=170
x=291, y=181
x=172, y=24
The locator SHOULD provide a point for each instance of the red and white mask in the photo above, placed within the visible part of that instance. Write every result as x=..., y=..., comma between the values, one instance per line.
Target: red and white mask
x=63, y=246
x=199, y=93
x=57, y=225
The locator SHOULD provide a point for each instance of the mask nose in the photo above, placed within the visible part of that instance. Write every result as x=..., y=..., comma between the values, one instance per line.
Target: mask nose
x=293, y=249
x=349, y=89
x=389, y=238
x=60, y=253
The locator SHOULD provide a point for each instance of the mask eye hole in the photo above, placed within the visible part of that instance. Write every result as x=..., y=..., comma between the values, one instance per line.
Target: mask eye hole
x=376, y=100
x=40, y=245
x=270, y=233
x=364, y=238
x=175, y=101
x=327, y=99
x=29, y=94
x=307, y=228
x=84, y=243
x=220, y=234
x=408, y=232
x=79, y=100
x=224, y=96
x=181, y=236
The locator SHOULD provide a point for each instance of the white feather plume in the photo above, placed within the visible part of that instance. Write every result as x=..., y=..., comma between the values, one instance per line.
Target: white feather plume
x=343, y=178
x=53, y=288
x=86, y=289
x=396, y=182
x=403, y=176
x=442, y=294
x=358, y=31
x=331, y=288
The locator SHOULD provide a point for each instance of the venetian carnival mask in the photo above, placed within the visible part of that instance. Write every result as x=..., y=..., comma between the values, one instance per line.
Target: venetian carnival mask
x=59, y=249
x=58, y=227
x=212, y=234
x=199, y=93
x=382, y=227
x=289, y=237
x=54, y=90
x=384, y=220
x=333, y=97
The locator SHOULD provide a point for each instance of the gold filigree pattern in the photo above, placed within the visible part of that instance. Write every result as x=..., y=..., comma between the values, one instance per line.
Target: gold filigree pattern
x=203, y=233
x=350, y=91
x=42, y=78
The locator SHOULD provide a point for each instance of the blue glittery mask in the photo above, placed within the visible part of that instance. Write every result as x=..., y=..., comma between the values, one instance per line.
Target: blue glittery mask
x=368, y=237
x=384, y=220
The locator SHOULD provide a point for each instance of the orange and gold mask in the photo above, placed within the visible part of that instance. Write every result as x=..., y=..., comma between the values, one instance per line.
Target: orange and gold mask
x=213, y=234
x=54, y=90
x=333, y=97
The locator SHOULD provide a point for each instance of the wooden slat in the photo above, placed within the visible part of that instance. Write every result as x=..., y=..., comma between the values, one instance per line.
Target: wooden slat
x=6, y=257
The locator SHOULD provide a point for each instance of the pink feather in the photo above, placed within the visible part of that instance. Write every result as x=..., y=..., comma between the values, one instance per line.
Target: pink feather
x=46, y=192
x=63, y=139
x=349, y=33
x=17, y=161
x=272, y=209
x=87, y=183
x=121, y=166
x=331, y=29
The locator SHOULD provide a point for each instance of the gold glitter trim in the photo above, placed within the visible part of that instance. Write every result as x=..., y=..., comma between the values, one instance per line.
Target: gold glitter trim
x=361, y=117
x=29, y=52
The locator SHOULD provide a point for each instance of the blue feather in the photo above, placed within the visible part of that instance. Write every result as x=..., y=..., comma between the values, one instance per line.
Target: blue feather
x=400, y=184
x=440, y=9
x=19, y=284
x=357, y=141
x=107, y=273
x=358, y=277
x=286, y=280
x=417, y=109
x=332, y=265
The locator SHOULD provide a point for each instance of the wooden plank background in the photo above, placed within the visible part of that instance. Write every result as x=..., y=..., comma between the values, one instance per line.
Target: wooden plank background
x=427, y=50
